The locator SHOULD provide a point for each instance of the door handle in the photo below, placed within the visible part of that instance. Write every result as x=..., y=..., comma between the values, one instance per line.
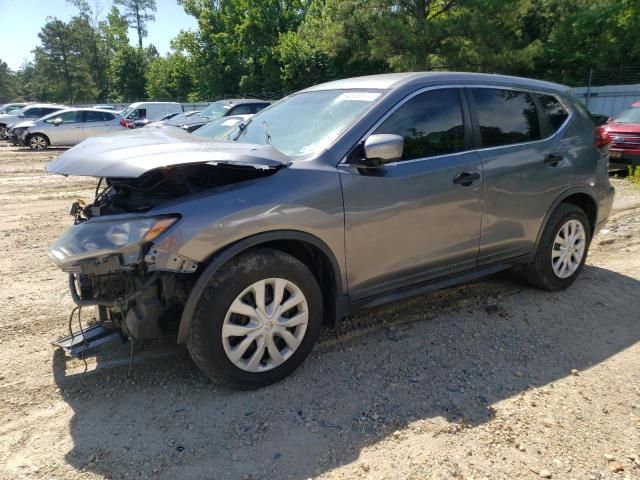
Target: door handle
x=466, y=179
x=553, y=159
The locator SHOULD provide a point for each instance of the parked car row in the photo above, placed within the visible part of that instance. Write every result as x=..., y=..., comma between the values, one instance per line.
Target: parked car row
x=39, y=126
x=215, y=110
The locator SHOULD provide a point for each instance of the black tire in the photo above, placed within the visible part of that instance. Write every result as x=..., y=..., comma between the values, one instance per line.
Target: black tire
x=204, y=341
x=38, y=142
x=539, y=272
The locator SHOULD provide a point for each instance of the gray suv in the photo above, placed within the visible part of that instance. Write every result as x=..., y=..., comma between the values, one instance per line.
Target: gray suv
x=342, y=196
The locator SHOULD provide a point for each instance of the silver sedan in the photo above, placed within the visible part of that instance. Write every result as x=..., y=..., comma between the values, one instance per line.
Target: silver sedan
x=68, y=127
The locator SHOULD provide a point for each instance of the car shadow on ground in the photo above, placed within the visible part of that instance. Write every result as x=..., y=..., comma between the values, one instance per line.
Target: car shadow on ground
x=499, y=338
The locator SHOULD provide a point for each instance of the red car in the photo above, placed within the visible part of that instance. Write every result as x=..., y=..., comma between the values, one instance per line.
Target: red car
x=623, y=132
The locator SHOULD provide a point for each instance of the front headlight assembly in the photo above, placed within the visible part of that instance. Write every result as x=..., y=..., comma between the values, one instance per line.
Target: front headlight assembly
x=100, y=238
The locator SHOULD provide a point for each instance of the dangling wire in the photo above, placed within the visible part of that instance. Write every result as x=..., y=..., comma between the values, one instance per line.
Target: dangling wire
x=71, y=334
x=84, y=343
x=130, y=357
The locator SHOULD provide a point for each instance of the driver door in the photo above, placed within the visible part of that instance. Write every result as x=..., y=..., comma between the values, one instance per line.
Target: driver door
x=412, y=220
x=69, y=132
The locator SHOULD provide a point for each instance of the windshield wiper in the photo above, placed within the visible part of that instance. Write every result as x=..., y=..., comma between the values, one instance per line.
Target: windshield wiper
x=267, y=135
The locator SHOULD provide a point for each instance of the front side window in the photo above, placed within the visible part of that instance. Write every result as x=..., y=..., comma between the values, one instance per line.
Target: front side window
x=554, y=111
x=306, y=123
x=505, y=117
x=241, y=110
x=430, y=123
x=66, y=117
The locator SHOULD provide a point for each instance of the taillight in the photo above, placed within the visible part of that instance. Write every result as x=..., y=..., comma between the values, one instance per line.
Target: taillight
x=601, y=137
x=123, y=123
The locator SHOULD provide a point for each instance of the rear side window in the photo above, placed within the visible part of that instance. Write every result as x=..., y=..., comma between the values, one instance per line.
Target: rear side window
x=97, y=116
x=47, y=111
x=431, y=124
x=34, y=113
x=241, y=110
x=554, y=111
x=259, y=106
x=505, y=117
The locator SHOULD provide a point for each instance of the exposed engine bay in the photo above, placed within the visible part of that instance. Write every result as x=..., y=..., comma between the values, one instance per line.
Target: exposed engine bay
x=138, y=289
x=131, y=195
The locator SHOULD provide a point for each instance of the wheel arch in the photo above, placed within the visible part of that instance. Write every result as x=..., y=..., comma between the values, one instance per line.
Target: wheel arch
x=31, y=134
x=309, y=249
x=578, y=197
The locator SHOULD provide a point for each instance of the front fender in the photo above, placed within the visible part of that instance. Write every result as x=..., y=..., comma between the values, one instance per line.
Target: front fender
x=223, y=256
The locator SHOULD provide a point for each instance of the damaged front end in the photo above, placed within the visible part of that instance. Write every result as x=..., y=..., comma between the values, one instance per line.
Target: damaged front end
x=122, y=258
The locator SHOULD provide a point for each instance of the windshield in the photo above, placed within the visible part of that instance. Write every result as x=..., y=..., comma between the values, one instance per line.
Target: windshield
x=632, y=115
x=126, y=112
x=307, y=123
x=219, y=129
x=20, y=111
x=214, y=110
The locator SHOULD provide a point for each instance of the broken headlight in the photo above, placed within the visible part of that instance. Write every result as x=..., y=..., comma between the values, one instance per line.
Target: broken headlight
x=98, y=238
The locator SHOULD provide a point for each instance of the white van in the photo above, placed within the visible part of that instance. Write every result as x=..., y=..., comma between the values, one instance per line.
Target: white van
x=140, y=113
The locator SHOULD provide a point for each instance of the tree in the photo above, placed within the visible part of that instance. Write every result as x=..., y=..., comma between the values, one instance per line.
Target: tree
x=170, y=78
x=7, y=83
x=128, y=71
x=138, y=13
x=64, y=60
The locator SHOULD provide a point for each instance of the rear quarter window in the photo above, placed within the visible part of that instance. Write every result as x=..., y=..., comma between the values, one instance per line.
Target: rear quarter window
x=554, y=111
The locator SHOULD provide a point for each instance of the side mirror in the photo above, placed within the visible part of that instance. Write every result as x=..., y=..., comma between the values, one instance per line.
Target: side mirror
x=57, y=121
x=383, y=148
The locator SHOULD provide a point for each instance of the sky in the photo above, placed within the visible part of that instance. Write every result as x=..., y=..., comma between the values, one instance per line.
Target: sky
x=20, y=22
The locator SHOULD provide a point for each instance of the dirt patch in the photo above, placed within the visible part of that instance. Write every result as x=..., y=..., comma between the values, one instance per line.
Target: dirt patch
x=488, y=380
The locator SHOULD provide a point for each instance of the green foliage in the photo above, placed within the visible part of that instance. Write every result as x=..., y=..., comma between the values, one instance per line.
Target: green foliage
x=276, y=46
x=170, y=78
x=634, y=174
x=63, y=59
x=138, y=14
x=7, y=83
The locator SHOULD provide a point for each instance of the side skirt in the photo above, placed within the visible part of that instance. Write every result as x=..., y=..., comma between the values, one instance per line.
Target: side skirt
x=425, y=287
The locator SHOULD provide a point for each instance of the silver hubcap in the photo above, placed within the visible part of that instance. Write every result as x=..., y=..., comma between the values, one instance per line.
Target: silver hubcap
x=265, y=325
x=568, y=249
x=38, y=143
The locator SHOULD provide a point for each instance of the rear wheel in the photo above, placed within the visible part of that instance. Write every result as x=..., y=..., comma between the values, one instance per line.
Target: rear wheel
x=38, y=142
x=257, y=320
x=562, y=250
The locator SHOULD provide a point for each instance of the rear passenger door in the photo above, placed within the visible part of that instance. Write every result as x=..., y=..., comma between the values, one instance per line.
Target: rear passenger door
x=99, y=123
x=417, y=218
x=527, y=163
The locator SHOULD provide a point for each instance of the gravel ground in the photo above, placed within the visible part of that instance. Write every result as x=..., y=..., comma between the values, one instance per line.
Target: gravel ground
x=488, y=380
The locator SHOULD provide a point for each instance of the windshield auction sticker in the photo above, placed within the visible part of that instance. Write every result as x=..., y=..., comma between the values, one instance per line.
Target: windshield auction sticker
x=357, y=97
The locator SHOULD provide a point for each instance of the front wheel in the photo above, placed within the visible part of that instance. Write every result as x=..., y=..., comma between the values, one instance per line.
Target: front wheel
x=562, y=250
x=257, y=320
x=38, y=142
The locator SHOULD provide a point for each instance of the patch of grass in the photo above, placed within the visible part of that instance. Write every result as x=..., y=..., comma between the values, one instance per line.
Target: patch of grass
x=634, y=174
